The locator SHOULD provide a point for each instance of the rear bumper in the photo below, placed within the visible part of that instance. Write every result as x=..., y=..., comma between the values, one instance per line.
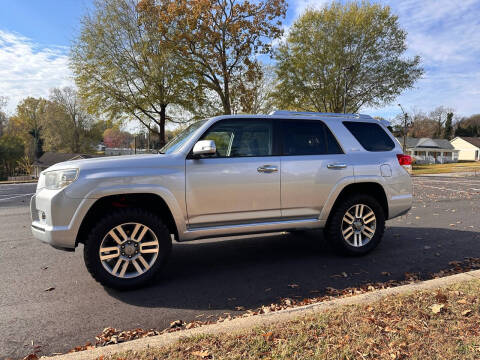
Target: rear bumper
x=400, y=197
x=399, y=205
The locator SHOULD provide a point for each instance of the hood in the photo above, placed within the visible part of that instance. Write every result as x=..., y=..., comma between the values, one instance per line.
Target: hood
x=109, y=162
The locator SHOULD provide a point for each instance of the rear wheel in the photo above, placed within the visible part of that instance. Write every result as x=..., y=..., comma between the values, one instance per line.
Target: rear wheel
x=356, y=225
x=127, y=248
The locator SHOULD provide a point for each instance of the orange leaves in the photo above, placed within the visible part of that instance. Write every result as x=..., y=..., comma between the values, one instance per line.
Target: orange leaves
x=202, y=354
x=217, y=38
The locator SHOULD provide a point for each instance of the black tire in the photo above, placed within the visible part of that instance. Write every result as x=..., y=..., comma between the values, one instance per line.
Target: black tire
x=335, y=226
x=91, y=251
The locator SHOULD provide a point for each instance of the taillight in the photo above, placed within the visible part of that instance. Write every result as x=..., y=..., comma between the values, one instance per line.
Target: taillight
x=404, y=159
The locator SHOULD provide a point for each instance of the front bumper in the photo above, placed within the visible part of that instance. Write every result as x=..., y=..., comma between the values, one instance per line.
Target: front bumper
x=56, y=218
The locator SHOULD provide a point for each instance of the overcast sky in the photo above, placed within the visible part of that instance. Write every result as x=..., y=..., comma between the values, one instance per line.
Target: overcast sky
x=35, y=37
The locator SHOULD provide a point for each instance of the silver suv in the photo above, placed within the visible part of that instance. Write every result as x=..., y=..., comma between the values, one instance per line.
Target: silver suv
x=229, y=175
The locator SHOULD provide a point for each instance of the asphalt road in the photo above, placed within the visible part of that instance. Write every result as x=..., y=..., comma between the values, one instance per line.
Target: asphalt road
x=212, y=277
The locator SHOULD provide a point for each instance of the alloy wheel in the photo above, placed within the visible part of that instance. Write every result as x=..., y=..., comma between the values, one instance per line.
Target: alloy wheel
x=129, y=250
x=358, y=225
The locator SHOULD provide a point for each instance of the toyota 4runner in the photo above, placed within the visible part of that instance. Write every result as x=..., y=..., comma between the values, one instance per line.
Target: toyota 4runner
x=228, y=175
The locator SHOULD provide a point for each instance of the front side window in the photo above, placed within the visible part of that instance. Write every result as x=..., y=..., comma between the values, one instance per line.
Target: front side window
x=308, y=137
x=241, y=137
x=370, y=135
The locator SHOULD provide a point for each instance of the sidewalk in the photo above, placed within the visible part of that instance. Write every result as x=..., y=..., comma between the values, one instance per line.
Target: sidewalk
x=454, y=174
x=243, y=324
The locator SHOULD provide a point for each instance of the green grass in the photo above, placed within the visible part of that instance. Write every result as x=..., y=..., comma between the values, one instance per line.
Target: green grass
x=396, y=327
x=471, y=166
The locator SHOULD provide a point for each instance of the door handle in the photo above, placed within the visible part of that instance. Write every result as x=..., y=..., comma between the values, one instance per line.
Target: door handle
x=267, y=169
x=336, y=166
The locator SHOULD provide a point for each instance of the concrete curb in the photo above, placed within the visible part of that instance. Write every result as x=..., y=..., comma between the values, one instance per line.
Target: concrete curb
x=6, y=182
x=451, y=174
x=240, y=324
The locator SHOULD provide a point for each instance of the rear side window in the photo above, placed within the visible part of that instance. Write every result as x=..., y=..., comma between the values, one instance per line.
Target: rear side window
x=370, y=135
x=308, y=138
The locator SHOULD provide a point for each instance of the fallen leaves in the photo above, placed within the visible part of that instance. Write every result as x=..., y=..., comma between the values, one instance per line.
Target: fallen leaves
x=111, y=335
x=176, y=323
x=31, y=356
x=268, y=336
x=437, y=308
x=202, y=354
x=441, y=297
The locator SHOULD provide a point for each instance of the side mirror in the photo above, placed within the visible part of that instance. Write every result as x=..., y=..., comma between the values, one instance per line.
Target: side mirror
x=204, y=147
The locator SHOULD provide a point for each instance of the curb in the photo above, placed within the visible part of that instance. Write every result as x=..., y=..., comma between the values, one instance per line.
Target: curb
x=6, y=182
x=451, y=174
x=239, y=324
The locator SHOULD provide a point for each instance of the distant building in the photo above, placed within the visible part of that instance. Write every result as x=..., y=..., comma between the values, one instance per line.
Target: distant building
x=430, y=151
x=468, y=147
x=125, y=151
x=100, y=147
x=51, y=158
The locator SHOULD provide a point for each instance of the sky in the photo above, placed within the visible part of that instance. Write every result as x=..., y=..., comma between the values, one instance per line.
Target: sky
x=35, y=37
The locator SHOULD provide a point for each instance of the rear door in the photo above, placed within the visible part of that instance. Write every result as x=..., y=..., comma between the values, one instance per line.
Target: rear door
x=312, y=163
x=241, y=183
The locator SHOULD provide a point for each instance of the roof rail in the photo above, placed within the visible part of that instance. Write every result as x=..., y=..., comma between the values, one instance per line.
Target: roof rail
x=309, y=113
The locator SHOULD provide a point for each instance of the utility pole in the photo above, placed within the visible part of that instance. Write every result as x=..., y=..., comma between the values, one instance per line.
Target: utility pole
x=345, y=69
x=405, y=125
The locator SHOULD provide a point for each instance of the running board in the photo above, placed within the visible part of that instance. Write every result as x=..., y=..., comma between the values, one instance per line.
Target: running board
x=202, y=232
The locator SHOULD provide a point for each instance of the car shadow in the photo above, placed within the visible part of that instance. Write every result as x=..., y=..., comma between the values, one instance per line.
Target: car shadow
x=254, y=271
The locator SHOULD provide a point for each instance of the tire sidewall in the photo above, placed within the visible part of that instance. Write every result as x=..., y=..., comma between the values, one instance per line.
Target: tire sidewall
x=334, y=230
x=92, y=247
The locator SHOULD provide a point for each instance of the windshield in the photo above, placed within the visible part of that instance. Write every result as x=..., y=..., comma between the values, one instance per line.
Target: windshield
x=181, y=138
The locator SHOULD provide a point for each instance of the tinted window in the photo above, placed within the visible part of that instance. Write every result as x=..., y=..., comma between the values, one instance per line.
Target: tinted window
x=370, y=135
x=240, y=138
x=308, y=138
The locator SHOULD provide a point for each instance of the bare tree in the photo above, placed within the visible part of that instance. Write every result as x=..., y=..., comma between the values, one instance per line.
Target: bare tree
x=68, y=117
x=440, y=115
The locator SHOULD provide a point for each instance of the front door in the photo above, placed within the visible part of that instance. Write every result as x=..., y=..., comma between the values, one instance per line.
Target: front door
x=240, y=184
x=312, y=164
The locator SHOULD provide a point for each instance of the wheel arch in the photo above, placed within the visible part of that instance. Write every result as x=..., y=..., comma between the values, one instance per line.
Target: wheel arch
x=148, y=201
x=373, y=189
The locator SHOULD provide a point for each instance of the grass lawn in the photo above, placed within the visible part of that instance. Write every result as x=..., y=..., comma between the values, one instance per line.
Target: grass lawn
x=446, y=168
x=439, y=324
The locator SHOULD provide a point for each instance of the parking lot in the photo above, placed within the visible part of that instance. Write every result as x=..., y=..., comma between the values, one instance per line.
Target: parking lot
x=209, y=278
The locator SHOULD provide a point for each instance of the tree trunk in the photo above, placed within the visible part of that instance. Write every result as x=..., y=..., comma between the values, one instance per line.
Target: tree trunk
x=76, y=141
x=163, y=119
x=227, y=109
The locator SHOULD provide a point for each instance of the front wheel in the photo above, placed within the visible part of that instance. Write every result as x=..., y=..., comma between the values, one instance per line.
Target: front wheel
x=127, y=248
x=356, y=225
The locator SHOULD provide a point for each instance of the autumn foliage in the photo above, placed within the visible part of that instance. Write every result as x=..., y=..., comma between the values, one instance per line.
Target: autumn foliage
x=218, y=38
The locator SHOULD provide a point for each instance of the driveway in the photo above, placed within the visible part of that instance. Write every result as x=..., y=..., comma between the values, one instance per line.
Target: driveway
x=206, y=279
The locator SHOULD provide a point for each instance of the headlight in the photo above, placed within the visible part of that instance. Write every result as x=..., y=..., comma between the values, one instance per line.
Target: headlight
x=55, y=180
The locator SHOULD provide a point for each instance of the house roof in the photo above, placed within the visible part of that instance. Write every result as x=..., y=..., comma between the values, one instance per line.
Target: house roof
x=475, y=141
x=51, y=158
x=443, y=144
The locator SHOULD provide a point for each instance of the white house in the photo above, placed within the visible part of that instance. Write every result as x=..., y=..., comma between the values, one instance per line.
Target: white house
x=468, y=147
x=430, y=151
